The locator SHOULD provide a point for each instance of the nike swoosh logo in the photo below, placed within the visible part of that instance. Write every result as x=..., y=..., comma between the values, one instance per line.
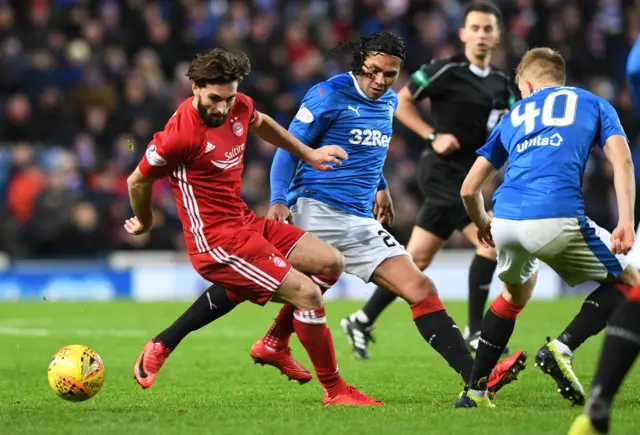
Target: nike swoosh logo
x=141, y=371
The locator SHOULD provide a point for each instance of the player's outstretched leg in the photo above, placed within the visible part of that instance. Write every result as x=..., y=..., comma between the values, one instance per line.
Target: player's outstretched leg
x=399, y=274
x=556, y=357
x=273, y=349
x=480, y=276
x=422, y=247
x=310, y=325
x=211, y=305
x=620, y=350
x=497, y=328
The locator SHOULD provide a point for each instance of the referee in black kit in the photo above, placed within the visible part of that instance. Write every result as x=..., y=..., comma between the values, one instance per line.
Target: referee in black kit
x=468, y=98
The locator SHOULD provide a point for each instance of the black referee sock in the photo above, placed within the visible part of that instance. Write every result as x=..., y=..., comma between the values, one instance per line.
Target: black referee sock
x=480, y=277
x=379, y=300
x=211, y=305
x=619, y=352
x=594, y=314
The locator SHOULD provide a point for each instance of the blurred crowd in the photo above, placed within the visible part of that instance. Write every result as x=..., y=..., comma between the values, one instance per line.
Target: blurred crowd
x=80, y=81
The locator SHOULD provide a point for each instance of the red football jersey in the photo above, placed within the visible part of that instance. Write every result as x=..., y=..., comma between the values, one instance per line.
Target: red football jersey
x=205, y=168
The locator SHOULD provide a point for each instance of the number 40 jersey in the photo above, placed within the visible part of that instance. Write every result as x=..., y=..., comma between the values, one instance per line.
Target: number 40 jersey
x=337, y=112
x=547, y=138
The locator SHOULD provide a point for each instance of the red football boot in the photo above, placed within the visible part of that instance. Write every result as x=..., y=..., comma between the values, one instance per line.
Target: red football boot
x=350, y=396
x=150, y=362
x=282, y=360
x=506, y=371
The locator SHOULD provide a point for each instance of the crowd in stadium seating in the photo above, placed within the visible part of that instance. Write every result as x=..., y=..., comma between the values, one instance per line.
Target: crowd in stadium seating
x=80, y=79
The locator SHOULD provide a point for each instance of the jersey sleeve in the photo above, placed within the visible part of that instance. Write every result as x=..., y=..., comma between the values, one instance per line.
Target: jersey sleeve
x=165, y=152
x=254, y=115
x=282, y=169
x=316, y=113
x=494, y=150
x=609, y=123
x=428, y=80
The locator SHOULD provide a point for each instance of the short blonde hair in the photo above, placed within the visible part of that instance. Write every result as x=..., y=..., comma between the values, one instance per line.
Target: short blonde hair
x=543, y=62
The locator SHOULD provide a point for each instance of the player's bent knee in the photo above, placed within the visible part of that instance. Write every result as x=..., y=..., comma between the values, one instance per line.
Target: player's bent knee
x=518, y=294
x=335, y=264
x=419, y=288
x=629, y=276
x=310, y=297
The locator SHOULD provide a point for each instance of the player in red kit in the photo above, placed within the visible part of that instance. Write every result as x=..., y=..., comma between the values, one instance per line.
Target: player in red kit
x=201, y=149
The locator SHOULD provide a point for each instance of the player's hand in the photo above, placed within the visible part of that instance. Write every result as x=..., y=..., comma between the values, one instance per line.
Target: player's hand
x=622, y=239
x=445, y=143
x=280, y=212
x=319, y=158
x=383, y=207
x=135, y=228
x=484, y=233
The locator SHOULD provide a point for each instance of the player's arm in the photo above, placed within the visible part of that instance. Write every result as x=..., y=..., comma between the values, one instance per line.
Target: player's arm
x=492, y=156
x=480, y=174
x=633, y=73
x=140, y=192
x=616, y=149
x=614, y=142
x=160, y=158
x=269, y=130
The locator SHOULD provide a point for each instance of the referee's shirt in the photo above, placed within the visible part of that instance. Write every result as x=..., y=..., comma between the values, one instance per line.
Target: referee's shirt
x=467, y=102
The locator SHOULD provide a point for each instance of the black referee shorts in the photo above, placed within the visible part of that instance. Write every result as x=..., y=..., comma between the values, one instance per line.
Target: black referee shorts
x=442, y=220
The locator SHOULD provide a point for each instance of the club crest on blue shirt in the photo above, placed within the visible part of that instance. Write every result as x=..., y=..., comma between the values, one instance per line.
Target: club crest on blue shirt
x=391, y=109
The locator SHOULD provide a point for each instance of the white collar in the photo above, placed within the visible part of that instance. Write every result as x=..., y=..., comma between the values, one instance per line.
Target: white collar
x=355, y=83
x=479, y=71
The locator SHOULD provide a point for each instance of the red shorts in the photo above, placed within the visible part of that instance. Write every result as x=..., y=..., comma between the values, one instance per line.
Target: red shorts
x=252, y=264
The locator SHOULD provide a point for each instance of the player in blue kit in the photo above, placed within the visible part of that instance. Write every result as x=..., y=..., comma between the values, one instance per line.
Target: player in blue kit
x=539, y=211
x=622, y=341
x=355, y=110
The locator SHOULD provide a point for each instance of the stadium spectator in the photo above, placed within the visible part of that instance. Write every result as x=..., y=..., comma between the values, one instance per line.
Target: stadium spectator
x=81, y=81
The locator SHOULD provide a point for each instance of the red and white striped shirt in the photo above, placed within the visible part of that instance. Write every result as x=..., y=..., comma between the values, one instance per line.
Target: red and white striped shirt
x=205, y=168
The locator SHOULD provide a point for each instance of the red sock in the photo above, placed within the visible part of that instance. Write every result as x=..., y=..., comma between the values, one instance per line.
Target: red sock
x=311, y=327
x=428, y=305
x=280, y=332
x=506, y=310
x=633, y=294
x=278, y=336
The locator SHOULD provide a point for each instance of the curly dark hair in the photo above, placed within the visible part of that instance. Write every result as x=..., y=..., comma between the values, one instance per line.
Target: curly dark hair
x=379, y=42
x=219, y=66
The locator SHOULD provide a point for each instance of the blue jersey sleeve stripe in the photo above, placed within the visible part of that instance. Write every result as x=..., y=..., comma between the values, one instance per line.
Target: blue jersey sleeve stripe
x=599, y=249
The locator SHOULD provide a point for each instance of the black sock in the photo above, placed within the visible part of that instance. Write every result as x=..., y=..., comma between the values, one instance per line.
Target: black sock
x=495, y=335
x=619, y=351
x=441, y=332
x=480, y=277
x=593, y=316
x=211, y=305
x=379, y=300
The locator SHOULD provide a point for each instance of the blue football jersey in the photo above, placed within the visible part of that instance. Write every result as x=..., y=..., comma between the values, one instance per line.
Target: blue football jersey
x=337, y=112
x=547, y=138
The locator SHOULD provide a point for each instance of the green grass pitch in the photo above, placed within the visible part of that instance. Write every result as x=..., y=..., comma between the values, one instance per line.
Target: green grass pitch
x=210, y=384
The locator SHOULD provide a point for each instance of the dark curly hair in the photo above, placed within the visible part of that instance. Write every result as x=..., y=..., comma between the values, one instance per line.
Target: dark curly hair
x=379, y=42
x=220, y=66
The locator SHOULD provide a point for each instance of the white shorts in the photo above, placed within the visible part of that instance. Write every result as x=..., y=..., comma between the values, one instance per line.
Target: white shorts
x=363, y=241
x=576, y=248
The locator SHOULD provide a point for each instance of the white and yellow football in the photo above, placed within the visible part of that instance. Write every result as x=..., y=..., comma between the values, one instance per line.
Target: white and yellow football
x=76, y=373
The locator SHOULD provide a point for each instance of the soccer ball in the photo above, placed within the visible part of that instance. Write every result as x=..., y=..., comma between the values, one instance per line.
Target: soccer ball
x=76, y=373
